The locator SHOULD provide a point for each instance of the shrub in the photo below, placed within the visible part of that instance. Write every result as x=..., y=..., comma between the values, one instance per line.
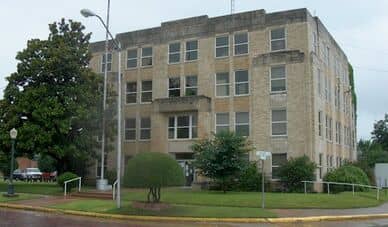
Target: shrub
x=296, y=170
x=153, y=170
x=65, y=177
x=221, y=158
x=111, y=176
x=250, y=179
x=346, y=174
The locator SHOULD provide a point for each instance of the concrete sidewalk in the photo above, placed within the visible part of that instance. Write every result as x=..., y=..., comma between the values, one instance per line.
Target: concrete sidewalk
x=44, y=201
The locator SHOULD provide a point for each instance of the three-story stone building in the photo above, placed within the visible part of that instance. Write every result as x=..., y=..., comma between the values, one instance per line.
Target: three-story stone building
x=278, y=78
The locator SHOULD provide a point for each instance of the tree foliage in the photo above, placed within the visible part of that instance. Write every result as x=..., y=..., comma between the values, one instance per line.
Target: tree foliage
x=53, y=99
x=347, y=174
x=153, y=170
x=221, y=158
x=46, y=164
x=296, y=170
x=380, y=132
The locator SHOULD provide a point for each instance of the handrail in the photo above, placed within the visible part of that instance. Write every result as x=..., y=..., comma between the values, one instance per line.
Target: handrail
x=74, y=179
x=114, y=189
x=328, y=183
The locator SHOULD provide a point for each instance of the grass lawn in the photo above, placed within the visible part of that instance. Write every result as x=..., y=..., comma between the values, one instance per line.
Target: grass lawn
x=22, y=196
x=232, y=204
x=102, y=206
x=33, y=188
x=273, y=200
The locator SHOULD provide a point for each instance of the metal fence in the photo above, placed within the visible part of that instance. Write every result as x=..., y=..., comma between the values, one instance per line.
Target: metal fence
x=327, y=183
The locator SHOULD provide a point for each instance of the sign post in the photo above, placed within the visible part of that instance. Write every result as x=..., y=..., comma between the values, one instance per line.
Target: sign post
x=263, y=155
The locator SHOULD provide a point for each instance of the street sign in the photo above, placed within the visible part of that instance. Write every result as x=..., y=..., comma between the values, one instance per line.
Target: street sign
x=263, y=155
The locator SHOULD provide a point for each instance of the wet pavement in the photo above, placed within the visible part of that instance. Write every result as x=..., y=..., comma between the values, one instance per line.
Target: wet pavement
x=18, y=218
x=325, y=212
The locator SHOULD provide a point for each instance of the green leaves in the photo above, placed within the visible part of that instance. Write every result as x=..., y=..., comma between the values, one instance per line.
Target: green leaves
x=221, y=157
x=53, y=99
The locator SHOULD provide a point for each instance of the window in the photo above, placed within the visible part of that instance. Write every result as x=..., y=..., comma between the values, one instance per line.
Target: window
x=174, y=52
x=319, y=82
x=174, y=87
x=327, y=127
x=277, y=161
x=326, y=88
x=279, y=122
x=145, y=128
x=339, y=132
x=182, y=127
x=336, y=132
x=191, y=50
x=278, y=39
x=191, y=85
x=330, y=129
x=315, y=42
x=278, y=78
x=130, y=129
x=320, y=116
x=146, y=91
x=146, y=56
x=240, y=43
x=222, y=122
x=320, y=166
x=131, y=92
x=222, y=46
x=242, y=123
x=328, y=56
x=107, y=63
x=241, y=82
x=222, y=84
x=132, y=58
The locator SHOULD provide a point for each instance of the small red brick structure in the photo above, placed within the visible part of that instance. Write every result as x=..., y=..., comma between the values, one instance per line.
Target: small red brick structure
x=24, y=163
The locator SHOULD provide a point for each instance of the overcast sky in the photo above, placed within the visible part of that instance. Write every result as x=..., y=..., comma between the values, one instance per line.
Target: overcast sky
x=359, y=26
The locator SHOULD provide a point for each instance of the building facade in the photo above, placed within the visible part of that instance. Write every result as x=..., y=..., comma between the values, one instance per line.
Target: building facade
x=278, y=78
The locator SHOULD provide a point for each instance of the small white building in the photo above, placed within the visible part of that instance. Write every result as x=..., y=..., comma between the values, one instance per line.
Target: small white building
x=381, y=174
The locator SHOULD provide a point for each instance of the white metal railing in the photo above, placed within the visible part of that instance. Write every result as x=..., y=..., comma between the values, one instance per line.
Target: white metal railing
x=114, y=189
x=74, y=179
x=339, y=183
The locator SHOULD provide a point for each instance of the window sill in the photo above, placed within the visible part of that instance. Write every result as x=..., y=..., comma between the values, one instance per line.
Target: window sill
x=129, y=141
x=182, y=140
x=146, y=66
x=279, y=136
x=278, y=92
x=221, y=57
x=190, y=61
x=243, y=95
x=131, y=69
x=241, y=55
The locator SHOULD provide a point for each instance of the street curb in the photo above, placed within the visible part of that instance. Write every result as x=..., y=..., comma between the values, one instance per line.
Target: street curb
x=192, y=219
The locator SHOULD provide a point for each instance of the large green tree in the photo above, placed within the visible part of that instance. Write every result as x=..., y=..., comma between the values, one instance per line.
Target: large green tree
x=380, y=132
x=53, y=99
x=221, y=158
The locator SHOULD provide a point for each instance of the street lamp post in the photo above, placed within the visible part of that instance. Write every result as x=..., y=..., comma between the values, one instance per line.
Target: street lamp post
x=13, y=133
x=117, y=44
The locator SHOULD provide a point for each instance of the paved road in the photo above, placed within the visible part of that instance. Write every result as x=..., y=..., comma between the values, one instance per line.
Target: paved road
x=16, y=218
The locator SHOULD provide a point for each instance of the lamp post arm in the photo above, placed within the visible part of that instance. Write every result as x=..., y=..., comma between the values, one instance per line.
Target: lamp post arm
x=117, y=45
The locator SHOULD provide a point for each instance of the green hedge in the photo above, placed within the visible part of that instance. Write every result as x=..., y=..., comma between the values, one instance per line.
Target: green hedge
x=65, y=177
x=346, y=174
x=295, y=171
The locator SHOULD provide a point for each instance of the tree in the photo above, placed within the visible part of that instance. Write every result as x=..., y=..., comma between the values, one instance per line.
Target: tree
x=53, y=99
x=221, y=158
x=370, y=153
x=380, y=132
x=46, y=163
x=296, y=170
x=153, y=170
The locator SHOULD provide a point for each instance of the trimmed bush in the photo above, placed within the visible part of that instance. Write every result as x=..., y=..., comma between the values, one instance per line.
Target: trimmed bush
x=346, y=174
x=250, y=179
x=296, y=170
x=65, y=177
x=153, y=170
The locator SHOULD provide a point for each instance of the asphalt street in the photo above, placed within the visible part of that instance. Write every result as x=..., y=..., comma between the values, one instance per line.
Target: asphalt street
x=16, y=218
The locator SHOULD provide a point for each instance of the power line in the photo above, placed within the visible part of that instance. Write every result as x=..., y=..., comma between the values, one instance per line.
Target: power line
x=372, y=69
